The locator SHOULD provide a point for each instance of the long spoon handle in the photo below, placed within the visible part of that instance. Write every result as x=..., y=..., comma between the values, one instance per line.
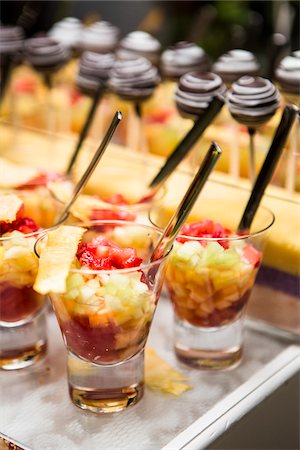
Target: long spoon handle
x=95, y=160
x=174, y=226
x=268, y=167
x=187, y=142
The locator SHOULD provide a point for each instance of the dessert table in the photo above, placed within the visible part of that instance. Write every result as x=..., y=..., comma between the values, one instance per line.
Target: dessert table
x=37, y=413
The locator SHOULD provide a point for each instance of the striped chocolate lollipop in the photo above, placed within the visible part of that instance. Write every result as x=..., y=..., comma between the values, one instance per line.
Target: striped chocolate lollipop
x=134, y=79
x=94, y=69
x=252, y=101
x=196, y=91
x=11, y=43
x=45, y=54
x=288, y=77
x=67, y=31
x=199, y=96
x=100, y=37
x=288, y=73
x=181, y=58
x=11, y=39
x=233, y=65
x=139, y=43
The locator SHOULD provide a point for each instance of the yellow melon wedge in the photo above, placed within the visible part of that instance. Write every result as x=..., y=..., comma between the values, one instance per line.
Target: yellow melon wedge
x=10, y=205
x=56, y=258
x=13, y=175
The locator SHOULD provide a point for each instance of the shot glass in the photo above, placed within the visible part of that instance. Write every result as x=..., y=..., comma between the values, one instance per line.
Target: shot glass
x=105, y=317
x=23, y=338
x=209, y=281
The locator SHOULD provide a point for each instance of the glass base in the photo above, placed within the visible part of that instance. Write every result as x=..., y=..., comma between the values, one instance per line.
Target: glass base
x=105, y=389
x=23, y=343
x=217, y=348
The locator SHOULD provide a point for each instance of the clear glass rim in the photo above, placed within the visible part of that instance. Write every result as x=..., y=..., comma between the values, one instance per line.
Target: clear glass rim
x=236, y=237
x=143, y=266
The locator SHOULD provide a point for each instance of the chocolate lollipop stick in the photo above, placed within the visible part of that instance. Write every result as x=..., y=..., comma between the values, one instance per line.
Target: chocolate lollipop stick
x=268, y=167
x=85, y=128
x=187, y=142
x=251, y=132
x=173, y=228
x=6, y=71
x=93, y=164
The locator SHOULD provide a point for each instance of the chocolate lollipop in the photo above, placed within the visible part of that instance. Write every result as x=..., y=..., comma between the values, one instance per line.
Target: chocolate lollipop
x=182, y=58
x=11, y=42
x=252, y=101
x=233, y=65
x=93, y=74
x=46, y=56
x=101, y=37
x=134, y=80
x=139, y=43
x=288, y=77
x=68, y=32
x=200, y=97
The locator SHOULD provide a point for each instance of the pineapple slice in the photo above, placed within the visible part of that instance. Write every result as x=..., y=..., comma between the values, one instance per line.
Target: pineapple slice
x=11, y=205
x=56, y=258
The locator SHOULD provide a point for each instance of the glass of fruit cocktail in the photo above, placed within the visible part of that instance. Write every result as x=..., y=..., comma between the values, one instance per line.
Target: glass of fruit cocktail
x=22, y=310
x=104, y=308
x=36, y=189
x=210, y=275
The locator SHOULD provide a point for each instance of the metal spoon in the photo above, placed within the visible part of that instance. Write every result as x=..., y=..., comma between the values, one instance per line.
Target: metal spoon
x=268, y=167
x=95, y=160
x=173, y=228
x=187, y=143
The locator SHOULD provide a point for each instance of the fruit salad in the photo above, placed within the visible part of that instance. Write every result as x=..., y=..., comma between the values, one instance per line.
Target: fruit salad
x=34, y=187
x=106, y=306
x=210, y=274
x=18, y=263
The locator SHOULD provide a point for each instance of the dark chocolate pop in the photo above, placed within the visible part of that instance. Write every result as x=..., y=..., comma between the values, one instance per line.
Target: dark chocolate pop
x=139, y=43
x=94, y=69
x=236, y=63
x=288, y=76
x=182, y=58
x=252, y=101
x=134, y=80
x=199, y=96
x=11, y=43
x=68, y=32
x=46, y=56
x=100, y=37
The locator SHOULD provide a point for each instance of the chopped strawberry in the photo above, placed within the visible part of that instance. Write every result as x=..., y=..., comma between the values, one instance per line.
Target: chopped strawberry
x=100, y=254
x=124, y=257
x=206, y=229
x=110, y=214
x=252, y=255
x=23, y=224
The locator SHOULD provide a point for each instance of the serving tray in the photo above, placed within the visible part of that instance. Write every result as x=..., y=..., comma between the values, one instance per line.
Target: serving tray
x=37, y=413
